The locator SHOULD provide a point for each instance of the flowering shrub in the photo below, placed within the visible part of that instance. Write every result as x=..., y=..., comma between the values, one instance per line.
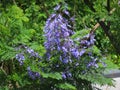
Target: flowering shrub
x=71, y=60
x=61, y=53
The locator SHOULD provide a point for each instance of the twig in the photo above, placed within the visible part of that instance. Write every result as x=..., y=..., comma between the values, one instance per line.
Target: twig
x=97, y=25
x=14, y=2
x=3, y=69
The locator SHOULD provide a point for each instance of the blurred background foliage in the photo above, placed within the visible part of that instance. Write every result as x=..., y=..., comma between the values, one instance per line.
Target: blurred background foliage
x=22, y=23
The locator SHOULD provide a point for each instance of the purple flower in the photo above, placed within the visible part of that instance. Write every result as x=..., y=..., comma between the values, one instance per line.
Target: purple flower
x=104, y=64
x=48, y=55
x=64, y=49
x=66, y=34
x=57, y=7
x=64, y=75
x=37, y=74
x=82, y=52
x=66, y=12
x=32, y=53
x=20, y=57
x=85, y=42
x=58, y=47
x=53, y=15
x=61, y=58
x=65, y=60
x=92, y=40
x=96, y=65
x=90, y=54
x=93, y=63
x=88, y=40
x=69, y=74
x=32, y=75
x=57, y=36
x=58, y=42
x=75, y=52
x=29, y=50
x=28, y=68
x=72, y=19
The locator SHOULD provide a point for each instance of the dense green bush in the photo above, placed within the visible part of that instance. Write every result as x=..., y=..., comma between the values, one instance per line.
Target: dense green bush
x=26, y=62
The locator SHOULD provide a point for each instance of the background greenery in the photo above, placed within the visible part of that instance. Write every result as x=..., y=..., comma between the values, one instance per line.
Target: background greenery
x=22, y=23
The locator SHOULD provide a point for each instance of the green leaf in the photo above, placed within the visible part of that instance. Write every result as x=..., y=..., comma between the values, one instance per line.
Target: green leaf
x=55, y=75
x=25, y=19
x=66, y=86
x=80, y=34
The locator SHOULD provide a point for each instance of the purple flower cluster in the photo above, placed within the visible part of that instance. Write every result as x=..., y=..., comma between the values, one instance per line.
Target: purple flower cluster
x=57, y=32
x=32, y=54
x=87, y=40
x=66, y=75
x=20, y=57
x=32, y=75
x=93, y=63
x=59, y=44
x=57, y=7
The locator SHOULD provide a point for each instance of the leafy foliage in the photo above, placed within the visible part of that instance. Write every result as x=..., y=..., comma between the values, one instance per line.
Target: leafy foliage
x=72, y=57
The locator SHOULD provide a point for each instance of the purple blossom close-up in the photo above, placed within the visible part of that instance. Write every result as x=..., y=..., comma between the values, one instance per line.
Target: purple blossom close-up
x=58, y=32
x=57, y=35
x=57, y=7
x=20, y=57
x=32, y=53
x=93, y=63
x=66, y=75
x=32, y=75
